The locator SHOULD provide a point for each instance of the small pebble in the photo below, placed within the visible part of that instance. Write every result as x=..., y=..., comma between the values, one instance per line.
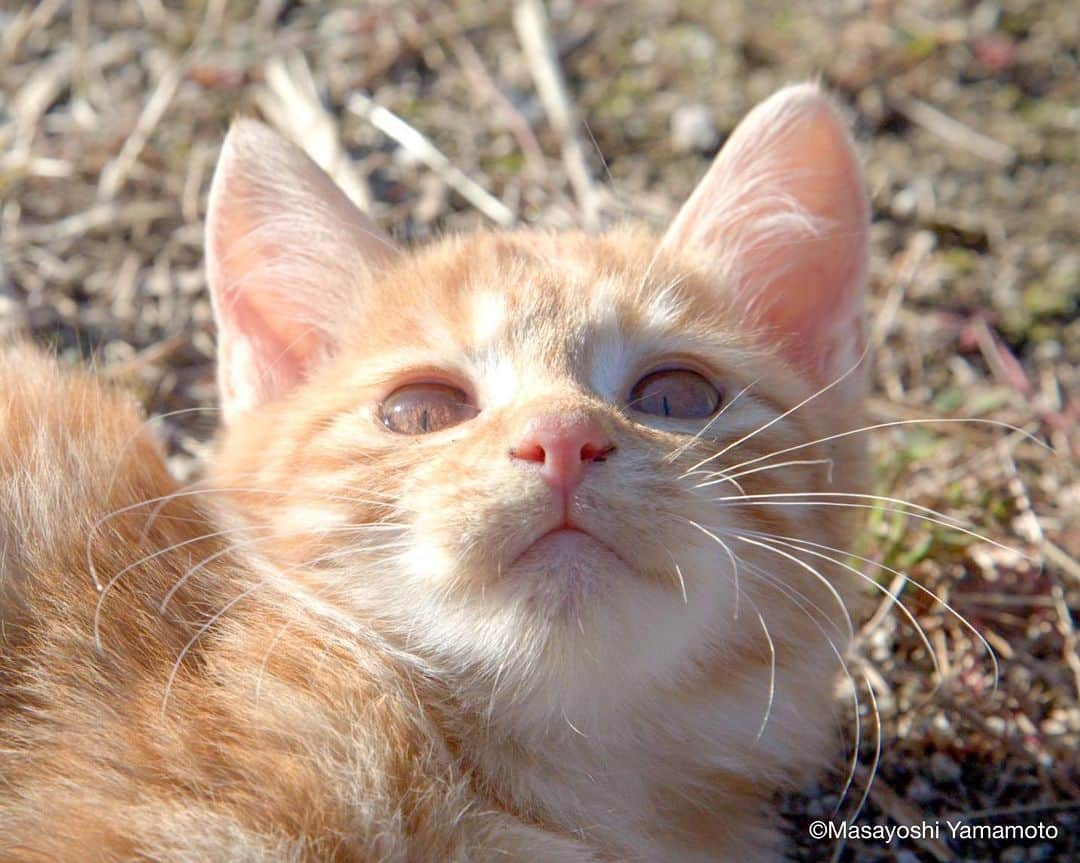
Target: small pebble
x=904, y=203
x=1014, y=854
x=643, y=50
x=944, y=768
x=921, y=791
x=693, y=129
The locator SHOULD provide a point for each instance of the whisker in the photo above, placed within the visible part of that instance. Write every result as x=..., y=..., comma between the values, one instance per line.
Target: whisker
x=682, y=584
x=678, y=574
x=104, y=591
x=772, y=674
x=880, y=498
x=264, y=664
x=805, y=603
x=940, y=522
x=199, y=634
x=877, y=750
x=802, y=563
x=801, y=600
x=795, y=463
x=146, y=423
x=202, y=564
x=264, y=582
x=749, y=435
x=191, y=491
x=283, y=493
x=489, y=713
x=970, y=627
x=896, y=599
x=716, y=477
x=229, y=548
x=853, y=767
x=731, y=557
x=893, y=424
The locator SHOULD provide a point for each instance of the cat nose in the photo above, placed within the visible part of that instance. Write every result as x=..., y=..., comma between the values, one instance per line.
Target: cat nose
x=563, y=446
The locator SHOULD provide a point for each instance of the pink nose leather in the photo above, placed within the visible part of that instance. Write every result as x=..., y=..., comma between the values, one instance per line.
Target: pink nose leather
x=563, y=446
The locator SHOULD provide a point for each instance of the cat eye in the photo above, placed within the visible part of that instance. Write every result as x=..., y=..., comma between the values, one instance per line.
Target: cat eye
x=678, y=393
x=426, y=407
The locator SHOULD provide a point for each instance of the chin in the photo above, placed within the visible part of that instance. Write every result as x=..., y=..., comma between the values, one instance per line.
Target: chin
x=565, y=570
x=569, y=629
x=597, y=634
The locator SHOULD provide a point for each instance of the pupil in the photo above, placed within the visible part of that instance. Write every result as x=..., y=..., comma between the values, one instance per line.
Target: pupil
x=667, y=409
x=424, y=423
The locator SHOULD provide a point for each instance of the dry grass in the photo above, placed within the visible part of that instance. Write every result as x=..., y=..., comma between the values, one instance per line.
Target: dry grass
x=111, y=115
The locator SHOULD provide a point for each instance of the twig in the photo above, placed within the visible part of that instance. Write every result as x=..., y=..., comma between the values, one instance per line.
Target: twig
x=1034, y=534
x=46, y=84
x=519, y=127
x=201, y=158
x=1003, y=600
x=19, y=163
x=154, y=354
x=1000, y=644
x=114, y=174
x=1003, y=365
x=291, y=102
x=530, y=21
x=94, y=219
x=905, y=812
x=23, y=22
x=884, y=608
x=1019, y=809
x=920, y=246
x=391, y=125
x=954, y=132
x=1070, y=566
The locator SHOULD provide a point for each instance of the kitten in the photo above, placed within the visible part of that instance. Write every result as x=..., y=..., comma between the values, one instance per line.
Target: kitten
x=495, y=559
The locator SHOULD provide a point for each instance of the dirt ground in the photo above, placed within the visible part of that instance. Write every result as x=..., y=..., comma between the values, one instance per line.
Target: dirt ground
x=968, y=115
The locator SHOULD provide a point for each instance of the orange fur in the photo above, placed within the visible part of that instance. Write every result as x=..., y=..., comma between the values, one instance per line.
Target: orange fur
x=339, y=647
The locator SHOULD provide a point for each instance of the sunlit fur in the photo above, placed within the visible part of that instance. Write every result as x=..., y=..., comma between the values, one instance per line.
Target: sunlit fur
x=354, y=647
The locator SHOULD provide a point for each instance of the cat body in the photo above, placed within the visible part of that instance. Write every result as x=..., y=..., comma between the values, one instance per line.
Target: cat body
x=271, y=744
x=484, y=565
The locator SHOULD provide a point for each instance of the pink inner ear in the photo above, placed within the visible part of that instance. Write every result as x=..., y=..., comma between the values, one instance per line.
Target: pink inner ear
x=287, y=255
x=263, y=356
x=782, y=216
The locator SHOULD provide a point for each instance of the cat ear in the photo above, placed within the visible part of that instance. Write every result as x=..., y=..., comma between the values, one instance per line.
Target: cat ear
x=286, y=254
x=782, y=216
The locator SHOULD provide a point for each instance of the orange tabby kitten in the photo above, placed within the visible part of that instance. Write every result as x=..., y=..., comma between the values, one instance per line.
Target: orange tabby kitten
x=487, y=566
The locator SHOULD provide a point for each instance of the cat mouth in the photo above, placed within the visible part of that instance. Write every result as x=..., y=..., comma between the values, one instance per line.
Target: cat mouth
x=564, y=534
x=569, y=546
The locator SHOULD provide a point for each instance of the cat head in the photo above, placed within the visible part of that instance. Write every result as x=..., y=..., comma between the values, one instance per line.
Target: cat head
x=523, y=453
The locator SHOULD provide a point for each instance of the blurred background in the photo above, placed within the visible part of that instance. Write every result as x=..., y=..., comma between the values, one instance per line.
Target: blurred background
x=441, y=117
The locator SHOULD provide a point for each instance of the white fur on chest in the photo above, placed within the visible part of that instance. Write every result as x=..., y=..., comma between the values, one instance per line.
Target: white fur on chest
x=604, y=784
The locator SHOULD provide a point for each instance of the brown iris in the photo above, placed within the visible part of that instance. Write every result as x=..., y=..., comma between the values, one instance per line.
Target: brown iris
x=678, y=393
x=426, y=407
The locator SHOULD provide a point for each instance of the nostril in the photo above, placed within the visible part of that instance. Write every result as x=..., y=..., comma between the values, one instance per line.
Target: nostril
x=596, y=452
x=529, y=452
